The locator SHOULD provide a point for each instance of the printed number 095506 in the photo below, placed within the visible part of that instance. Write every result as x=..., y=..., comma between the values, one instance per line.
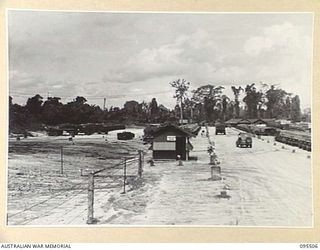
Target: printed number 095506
x=308, y=245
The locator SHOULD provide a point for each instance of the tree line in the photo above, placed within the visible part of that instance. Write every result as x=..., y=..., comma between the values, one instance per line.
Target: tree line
x=206, y=103
x=38, y=113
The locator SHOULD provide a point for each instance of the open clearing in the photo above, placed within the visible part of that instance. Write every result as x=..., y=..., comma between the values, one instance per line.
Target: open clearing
x=268, y=185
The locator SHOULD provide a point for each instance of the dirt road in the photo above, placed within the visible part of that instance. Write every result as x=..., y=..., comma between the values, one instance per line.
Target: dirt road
x=268, y=186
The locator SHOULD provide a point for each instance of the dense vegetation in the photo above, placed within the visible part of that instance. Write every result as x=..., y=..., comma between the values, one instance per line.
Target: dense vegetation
x=206, y=103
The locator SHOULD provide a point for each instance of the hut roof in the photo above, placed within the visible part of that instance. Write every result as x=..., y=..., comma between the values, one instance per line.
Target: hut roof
x=237, y=120
x=233, y=120
x=244, y=121
x=256, y=120
x=269, y=119
x=166, y=127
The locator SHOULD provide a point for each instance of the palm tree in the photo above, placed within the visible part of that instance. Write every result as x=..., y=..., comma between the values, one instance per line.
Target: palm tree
x=225, y=101
x=181, y=89
x=236, y=92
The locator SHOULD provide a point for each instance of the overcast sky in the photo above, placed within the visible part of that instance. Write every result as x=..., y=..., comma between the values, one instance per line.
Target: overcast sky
x=126, y=56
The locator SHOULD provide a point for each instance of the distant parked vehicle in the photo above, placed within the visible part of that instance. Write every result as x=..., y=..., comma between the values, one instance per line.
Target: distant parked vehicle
x=295, y=138
x=244, y=139
x=263, y=130
x=220, y=129
x=125, y=136
x=91, y=128
x=258, y=130
x=54, y=131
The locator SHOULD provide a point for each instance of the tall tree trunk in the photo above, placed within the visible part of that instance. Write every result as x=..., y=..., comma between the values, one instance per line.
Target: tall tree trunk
x=181, y=111
x=271, y=112
x=237, y=109
x=191, y=110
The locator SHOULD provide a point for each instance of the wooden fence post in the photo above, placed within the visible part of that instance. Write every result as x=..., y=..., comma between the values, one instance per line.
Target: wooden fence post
x=90, y=219
x=124, y=175
x=215, y=173
x=140, y=170
x=61, y=168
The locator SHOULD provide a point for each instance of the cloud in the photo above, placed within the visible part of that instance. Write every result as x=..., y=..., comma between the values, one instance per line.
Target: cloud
x=24, y=79
x=280, y=55
x=112, y=54
x=277, y=37
x=149, y=63
x=173, y=59
x=255, y=45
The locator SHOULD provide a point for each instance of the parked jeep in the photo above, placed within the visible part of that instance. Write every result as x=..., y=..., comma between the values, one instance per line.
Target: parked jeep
x=244, y=139
x=220, y=129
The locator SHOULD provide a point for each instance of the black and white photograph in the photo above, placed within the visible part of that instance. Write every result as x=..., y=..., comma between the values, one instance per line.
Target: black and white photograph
x=175, y=119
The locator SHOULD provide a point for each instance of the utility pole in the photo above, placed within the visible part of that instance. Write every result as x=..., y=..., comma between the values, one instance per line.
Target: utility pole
x=181, y=112
x=104, y=103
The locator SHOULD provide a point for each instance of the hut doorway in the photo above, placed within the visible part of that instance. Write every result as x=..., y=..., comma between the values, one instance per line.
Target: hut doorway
x=181, y=147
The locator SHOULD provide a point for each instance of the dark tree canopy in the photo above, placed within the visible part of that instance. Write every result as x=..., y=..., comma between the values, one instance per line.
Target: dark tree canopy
x=252, y=100
x=206, y=103
x=276, y=101
x=295, y=109
x=34, y=104
x=236, y=91
x=154, y=107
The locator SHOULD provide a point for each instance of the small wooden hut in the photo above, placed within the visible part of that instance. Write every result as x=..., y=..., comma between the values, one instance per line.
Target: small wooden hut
x=170, y=141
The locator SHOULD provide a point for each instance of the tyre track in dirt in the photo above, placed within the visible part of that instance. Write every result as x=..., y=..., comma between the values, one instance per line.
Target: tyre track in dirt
x=264, y=188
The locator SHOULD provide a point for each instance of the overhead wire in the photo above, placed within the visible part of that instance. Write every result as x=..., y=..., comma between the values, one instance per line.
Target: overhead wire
x=17, y=94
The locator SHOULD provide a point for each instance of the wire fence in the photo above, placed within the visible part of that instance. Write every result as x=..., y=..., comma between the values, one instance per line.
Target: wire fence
x=74, y=191
x=132, y=167
x=114, y=175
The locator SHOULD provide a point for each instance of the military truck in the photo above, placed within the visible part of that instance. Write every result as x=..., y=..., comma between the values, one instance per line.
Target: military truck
x=125, y=135
x=244, y=140
x=220, y=129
